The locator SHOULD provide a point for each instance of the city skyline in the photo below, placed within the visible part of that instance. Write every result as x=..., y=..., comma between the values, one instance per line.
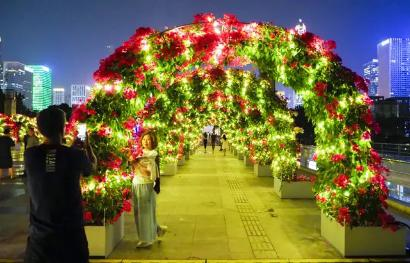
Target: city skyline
x=72, y=37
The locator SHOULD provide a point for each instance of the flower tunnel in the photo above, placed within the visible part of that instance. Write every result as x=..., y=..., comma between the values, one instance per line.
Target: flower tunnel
x=223, y=71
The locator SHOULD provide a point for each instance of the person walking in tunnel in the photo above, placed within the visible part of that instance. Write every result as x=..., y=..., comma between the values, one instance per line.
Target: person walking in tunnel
x=205, y=140
x=56, y=230
x=224, y=143
x=144, y=186
x=213, y=141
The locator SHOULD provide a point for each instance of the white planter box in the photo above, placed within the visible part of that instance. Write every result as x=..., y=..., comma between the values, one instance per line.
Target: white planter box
x=182, y=161
x=293, y=190
x=262, y=170
x=169, y=169
x=240, y=156
x=247, y=161
x=363, y=241
x=103, y=239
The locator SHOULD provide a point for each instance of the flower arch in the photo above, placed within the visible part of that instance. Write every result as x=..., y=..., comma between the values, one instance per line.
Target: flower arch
x=175, y=80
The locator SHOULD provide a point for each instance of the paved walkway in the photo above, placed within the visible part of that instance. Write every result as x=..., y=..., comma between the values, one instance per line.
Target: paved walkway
x=215, y=208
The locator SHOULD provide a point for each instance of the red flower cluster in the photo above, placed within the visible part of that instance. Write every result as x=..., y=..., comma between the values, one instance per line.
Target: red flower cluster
x=81, y=113
x=87, y=216
x=367, y=117
x=332, y=109
x=338, y=158
x=316, y=44
x=342, y=181
x=171, y=46
x=129, y=94
x=104, y=131
x=344, y=215
x=130, y=123
x=113, y=162
x=360, y=83
x=320, y=88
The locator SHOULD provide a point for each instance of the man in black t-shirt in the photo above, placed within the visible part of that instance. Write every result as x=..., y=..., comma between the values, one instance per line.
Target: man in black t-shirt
x=56, y=231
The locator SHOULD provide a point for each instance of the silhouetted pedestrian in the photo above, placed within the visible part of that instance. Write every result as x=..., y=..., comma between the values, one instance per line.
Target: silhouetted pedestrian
x=56, y=230
x=6, y=160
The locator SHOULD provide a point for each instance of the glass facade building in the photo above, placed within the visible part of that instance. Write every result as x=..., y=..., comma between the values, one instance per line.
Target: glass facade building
x=58, y=96
x=18, y=79
x=371, y=73
x=42, y=92
x=79, y=93
x=394, y=67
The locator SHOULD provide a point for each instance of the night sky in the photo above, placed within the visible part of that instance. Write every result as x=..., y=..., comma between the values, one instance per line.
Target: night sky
x=71, y=36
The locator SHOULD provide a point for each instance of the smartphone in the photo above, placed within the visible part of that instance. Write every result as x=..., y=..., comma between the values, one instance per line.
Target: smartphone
x=81, y=128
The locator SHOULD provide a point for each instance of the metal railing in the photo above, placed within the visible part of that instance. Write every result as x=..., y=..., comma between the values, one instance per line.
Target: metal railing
x=393, y=151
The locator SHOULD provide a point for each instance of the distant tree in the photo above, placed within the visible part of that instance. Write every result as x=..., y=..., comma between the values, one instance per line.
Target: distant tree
x=308, y=135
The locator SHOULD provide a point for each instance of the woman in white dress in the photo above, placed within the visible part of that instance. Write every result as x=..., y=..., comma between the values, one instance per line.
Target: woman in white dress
x=224, y=143
x=146, y=173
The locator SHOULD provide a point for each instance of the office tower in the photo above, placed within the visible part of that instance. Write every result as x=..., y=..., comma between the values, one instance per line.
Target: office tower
x=394, y=67
x=58, y=96
x=18, y=79
x=371, y=73
x=79, y=93
x=42, y=93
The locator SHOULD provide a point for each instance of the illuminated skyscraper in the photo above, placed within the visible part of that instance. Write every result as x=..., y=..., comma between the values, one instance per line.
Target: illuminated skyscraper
x=79, y=93
x=58, y=96
x=394, y=67
x=371, y=73
x=42, y=93
x=18, y=79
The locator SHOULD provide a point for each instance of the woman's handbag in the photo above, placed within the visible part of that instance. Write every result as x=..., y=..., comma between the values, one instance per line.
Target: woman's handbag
x=157, y=184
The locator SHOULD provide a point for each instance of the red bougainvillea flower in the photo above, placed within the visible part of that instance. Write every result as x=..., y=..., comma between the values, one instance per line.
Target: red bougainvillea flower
x=342, y=181
x=320, y=88
x=126, y=206
x=104, y=131
x=367, y=100
x=88, y=216
x=129, y=94
x=367, y=117
x=366, y=135
x=321, y=199
x=356, y=148
x=314, y=157
x=387, y=221
x=375, y=156
x=359, y=168
x=130, y=124
x=344, y=215
x=338, y=157
x=360, y=83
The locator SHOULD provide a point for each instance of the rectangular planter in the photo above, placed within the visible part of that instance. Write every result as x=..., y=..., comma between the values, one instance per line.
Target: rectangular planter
x=262, y=170
x=182, y=161
x=363, y=241
x=293, y=190
x=240, y=155
x=169, y=169
x=103, y=239
x=247, y=161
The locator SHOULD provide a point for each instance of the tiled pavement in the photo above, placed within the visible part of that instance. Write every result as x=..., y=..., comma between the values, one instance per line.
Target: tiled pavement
x=216, y=210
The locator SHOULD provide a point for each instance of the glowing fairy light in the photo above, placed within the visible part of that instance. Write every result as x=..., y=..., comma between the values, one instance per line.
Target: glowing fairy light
x=144, y=45
x=217, y=27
